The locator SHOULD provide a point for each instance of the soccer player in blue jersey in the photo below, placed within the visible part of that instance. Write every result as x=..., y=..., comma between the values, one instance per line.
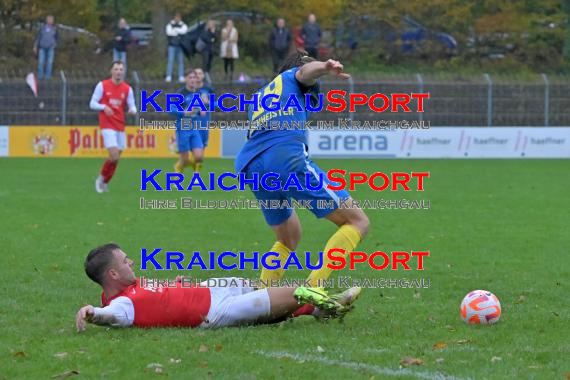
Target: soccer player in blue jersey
x=187, y=136
x=284, y=151
x=204, y=90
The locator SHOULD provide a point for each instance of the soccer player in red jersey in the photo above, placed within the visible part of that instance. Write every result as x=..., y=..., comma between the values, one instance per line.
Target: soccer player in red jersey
x=109, y=99
x=125, y=303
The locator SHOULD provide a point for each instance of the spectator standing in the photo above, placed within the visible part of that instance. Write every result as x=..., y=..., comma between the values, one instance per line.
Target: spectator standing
x=208, y=39
x=120, y=43
x=229, y=48
x=44, y=47
x=279, y=42
x=175, y=29
x=311, y=34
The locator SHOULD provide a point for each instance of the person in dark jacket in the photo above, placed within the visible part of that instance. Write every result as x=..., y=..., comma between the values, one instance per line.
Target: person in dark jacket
x=44, y=47
x=120, y=42
x=279, y=43
x=311, y=34
x=175, y=29
x=208, y=36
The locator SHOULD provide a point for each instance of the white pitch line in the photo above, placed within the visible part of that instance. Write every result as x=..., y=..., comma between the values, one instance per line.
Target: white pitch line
x=301, y=358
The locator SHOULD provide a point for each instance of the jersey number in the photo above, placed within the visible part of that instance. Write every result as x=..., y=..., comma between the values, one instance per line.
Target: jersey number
x=273, y=88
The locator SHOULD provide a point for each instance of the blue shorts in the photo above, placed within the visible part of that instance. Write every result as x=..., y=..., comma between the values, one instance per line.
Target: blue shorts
x=205, y=135
x=188, y=140
x=284, y=159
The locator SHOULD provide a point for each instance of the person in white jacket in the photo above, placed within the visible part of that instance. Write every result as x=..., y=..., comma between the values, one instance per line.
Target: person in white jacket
x=229, y=48
x=175, y=29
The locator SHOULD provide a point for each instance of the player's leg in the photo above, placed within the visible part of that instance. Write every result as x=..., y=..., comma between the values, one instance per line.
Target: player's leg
x=353, y=223
x=114, y=142
x=353, y=226
x=264, y=306
x=184, y=159
x=197, y=148
x=284, y=222
x=204, y=135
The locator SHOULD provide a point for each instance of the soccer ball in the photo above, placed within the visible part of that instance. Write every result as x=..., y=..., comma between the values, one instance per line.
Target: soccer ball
x=480, y=307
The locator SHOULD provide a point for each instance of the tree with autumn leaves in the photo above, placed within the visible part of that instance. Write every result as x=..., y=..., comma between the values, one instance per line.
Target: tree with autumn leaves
x=532, y=33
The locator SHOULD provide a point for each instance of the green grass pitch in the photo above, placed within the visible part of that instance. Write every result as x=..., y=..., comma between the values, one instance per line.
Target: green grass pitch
x=499, y=225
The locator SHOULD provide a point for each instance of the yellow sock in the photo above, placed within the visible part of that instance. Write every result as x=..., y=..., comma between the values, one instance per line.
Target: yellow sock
x=178, y=167
x=271, y=274
x=197, y=167
x=346, y=237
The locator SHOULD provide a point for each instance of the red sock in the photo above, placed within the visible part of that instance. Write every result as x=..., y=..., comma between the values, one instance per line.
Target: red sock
x=304, y=310
x=108, y=170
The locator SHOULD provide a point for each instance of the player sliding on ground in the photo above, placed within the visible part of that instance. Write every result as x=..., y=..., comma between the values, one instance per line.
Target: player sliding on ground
x=109, y=99
x=125, y=303
x=284, y=151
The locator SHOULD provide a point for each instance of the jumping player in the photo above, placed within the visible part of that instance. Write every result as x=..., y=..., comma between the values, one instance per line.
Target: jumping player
x=187, y=135
x=284, y=151
x=109, y=99
x=125, y=303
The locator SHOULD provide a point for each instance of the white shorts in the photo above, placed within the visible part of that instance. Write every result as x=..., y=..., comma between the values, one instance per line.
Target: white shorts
x=239, y=305
x=113, y=139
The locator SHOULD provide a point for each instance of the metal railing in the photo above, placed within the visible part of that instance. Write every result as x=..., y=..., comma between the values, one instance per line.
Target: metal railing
x=481, y=100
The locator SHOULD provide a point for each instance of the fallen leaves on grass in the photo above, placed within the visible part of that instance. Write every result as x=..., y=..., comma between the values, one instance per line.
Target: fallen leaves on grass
x=417, y=295
x=218, y=347
x=439, y=360
x=61, y=355
x=320, y=349
x=203, y=348
x=521, y=299
x=439, y=346
x=495, y=359
x=463, y=341
x=156, y=367
x=175, y=361
x=450, y=328
x=65, y=374
x=203, y=364
x=411, y=361
x=20, y=354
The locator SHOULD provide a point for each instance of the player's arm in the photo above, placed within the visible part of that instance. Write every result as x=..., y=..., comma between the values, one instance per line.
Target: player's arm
x=308, y=74
x=96, y=98
x=120, y=313
x=131, y=102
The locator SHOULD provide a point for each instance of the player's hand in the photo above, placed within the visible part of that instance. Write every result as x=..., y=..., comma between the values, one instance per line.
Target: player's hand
x=132, y=112
x=35, y=50
x=335, y=68
x=108, y=111
x=83, y=315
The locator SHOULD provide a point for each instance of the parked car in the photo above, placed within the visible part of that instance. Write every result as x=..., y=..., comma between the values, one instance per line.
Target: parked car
x=410, y=38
